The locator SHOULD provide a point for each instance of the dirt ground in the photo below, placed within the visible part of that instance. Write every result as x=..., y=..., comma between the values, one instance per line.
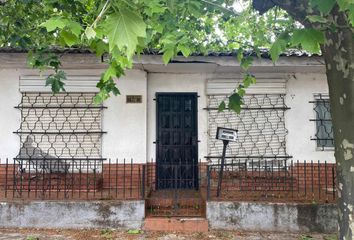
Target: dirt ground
x=111, y=234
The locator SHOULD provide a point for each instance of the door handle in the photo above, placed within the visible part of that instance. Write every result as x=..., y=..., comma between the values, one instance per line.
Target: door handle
x=194, y=140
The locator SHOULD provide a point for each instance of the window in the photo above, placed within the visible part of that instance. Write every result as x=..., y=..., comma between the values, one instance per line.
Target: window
x=58, y=132
x=324, y=130
x=261, y=129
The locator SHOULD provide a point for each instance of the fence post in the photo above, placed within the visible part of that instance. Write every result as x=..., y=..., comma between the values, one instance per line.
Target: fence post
x=333, y=184
x=143, y=183
x=208, y=182
x=6, y=172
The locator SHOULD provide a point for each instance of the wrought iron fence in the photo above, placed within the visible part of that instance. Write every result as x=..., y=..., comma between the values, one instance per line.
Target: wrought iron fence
x=91, y=179
x=274, y=180
x=182, y=189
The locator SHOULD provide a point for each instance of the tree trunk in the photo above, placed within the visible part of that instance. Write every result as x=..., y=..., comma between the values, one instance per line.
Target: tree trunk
x=338, y=55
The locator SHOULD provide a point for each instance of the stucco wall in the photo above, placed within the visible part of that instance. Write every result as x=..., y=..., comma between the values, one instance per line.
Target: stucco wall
x=125, y=123
x=301, y=88
x=9, y=116
x=118, y=214
x=277, y=217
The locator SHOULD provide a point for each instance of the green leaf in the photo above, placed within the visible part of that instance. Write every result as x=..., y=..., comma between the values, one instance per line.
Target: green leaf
x=69, y=38
x=100, y=97
x=317, y=19
x=194, y=8
x=74, y=27
x=100, y=47
x=186, y=51
x=54, y=23
x=109, y=73
x=114, y=70
x=279, y=46
x=309, y=39
x=347, y=6
x=55, y=81
x=343, y=4
x=106, y=87
x=324, y=6
x=235, y=102
x=246, y=62
x=249, y=80
x=123, y=29
x=222, y=106
x=171, y=5
x=239, y=54
x=168, y=55
x=351, y=14
x=90, y=33
x=241, y=91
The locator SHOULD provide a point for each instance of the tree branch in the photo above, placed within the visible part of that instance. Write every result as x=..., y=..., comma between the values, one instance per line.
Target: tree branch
x=298, y=9
x=219, y=6
x=104, y=9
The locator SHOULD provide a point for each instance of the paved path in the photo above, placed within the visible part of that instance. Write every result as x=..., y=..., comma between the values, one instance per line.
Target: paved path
x=39, y=234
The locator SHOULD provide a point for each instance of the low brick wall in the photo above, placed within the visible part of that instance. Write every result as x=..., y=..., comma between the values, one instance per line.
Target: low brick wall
x=314, y=175
x=110, y=181
x=277, y=217
x=54, y=214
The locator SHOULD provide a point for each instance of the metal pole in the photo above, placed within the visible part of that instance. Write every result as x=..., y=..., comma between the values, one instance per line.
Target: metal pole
x=143, y=183
x=221, y=167
x=208, y=182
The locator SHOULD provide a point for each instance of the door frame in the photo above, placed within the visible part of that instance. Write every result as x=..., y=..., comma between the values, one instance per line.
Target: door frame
x=196, y=96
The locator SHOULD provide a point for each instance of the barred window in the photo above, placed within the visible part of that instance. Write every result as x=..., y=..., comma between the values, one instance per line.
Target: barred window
x=323, y=120
x=261, y=129
x=59, y=129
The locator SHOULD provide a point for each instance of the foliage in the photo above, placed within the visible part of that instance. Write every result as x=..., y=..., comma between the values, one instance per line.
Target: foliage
x=134, y=231
x=32, y=238
x=121, y=29
x=306, y=237
x=330, y=237
x=107, y=234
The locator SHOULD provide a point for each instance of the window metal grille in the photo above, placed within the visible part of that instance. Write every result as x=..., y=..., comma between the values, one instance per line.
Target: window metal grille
x=324, y=129
x=60, y=127
x=261, y=129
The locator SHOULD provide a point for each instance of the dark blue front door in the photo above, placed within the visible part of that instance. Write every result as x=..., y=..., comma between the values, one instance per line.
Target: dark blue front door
x=177, y=141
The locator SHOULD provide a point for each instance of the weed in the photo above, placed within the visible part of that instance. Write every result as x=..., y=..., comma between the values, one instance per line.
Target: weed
x=134, y=231
x=306, y=237
x=331, y=237
x=107, y=233
x=32, y=238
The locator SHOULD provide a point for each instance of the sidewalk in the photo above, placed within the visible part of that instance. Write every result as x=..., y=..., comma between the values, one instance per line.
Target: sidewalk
x=106, y=234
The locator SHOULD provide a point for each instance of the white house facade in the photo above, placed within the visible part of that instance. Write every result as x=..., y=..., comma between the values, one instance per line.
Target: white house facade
x=151, y=153
x=285, y=114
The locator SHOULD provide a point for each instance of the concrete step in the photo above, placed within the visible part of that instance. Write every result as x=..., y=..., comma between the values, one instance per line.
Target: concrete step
x=168, y=202
x=176, y=224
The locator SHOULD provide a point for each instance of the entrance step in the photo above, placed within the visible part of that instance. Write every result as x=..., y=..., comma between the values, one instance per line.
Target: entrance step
x=167, y=203
x=176, y=224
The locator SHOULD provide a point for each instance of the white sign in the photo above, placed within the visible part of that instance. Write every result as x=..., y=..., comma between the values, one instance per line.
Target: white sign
x=226, y=134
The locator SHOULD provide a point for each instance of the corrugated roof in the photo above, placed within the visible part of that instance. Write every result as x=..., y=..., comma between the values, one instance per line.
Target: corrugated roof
x=263, y=52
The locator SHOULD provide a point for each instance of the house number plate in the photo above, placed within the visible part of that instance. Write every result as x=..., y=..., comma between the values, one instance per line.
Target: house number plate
x=134, y=98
